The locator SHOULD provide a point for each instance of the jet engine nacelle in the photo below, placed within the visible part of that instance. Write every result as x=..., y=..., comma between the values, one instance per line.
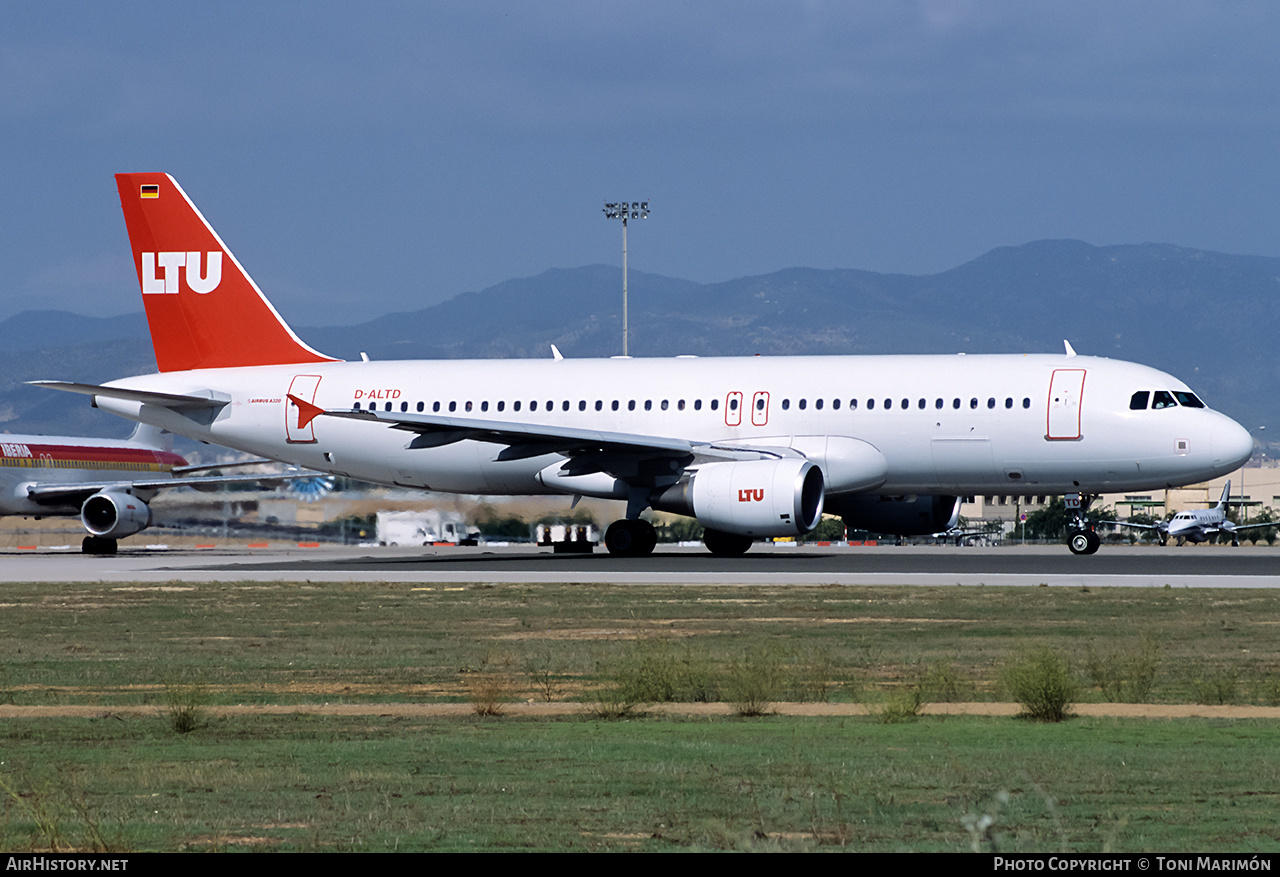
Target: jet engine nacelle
x=113, y=515
x=750, y=497
x=896, y=515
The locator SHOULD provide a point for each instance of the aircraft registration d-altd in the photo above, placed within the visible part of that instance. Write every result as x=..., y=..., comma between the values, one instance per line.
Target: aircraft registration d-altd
x=751, y=447
x=107, y=483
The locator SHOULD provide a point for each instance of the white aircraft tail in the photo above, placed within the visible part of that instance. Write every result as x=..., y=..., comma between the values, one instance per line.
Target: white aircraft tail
x=1226, y=495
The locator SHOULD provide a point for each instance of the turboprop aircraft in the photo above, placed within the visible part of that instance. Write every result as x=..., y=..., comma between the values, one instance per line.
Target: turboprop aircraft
x=751, y=447
x=106, y=482
x=1198, y=525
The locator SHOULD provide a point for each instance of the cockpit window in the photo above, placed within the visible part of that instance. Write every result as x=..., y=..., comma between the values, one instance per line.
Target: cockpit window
x=1162, y=399
x=1139, y=400
x=1187, y=399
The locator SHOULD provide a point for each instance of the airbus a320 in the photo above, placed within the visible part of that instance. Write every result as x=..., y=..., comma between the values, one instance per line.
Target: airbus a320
x=751, y=447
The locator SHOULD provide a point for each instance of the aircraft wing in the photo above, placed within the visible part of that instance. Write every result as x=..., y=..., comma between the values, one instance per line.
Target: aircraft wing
x=524, y=440
x=1162, y=527
x=1236, y=528
x=53, y=493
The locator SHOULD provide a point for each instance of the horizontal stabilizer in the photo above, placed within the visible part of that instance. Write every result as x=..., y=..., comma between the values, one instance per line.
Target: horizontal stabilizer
x=164, y=400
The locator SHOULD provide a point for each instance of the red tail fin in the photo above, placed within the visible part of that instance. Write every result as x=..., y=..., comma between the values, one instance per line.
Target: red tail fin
x=203, y=309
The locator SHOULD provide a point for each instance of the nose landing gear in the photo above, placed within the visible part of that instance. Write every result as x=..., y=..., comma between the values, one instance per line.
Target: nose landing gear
x=1081, y=538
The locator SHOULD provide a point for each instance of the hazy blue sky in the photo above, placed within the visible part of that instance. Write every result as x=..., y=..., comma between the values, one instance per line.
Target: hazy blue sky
x=368, y=157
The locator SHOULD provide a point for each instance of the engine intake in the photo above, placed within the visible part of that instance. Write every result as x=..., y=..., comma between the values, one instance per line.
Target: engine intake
x=113, y=515
x=750, y=497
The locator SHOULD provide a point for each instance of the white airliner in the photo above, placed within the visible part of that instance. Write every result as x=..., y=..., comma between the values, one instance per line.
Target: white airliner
x=1199, y=524
x=106, y=482
x=751, y=447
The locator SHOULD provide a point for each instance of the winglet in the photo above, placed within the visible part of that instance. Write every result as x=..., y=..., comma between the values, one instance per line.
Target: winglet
x=203, y=308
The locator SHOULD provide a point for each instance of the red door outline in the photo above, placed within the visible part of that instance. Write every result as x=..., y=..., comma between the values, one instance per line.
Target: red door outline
x=733, y=409
x=1066, y=395
x=304, y=387
x=759, y=412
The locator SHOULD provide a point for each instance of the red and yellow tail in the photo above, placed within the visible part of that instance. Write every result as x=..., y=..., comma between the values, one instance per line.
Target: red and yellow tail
x=203, y=309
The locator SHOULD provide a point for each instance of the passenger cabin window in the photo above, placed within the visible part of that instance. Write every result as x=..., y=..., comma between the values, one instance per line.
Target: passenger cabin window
x=1138, y=402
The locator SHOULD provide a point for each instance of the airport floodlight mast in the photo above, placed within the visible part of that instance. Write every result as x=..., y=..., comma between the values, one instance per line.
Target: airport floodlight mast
x=625, y=210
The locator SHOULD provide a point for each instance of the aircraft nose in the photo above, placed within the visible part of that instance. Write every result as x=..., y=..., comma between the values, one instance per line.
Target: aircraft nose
x=1232, y=444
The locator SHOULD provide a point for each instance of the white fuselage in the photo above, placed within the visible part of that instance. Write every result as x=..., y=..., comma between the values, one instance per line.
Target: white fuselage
x=952, y=425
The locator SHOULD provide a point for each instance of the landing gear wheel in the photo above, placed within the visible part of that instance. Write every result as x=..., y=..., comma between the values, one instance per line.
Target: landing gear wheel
x=98, y=545
x=1084, y=542
x=723, y=544
x=630, y=538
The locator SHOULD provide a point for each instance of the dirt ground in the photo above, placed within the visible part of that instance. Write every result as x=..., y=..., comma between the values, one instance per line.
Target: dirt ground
x=537, y=709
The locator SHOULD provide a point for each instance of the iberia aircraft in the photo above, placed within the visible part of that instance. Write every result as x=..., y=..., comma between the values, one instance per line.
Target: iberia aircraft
x=106, y=482
x=751, y=447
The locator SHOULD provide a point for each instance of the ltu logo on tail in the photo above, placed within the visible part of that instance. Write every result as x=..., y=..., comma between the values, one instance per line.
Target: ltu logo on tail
x=170, y=263
x=750, y=495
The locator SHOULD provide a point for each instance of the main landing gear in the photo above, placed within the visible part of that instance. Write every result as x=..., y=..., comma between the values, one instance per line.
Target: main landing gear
x=1081, y=539
x=630, y=538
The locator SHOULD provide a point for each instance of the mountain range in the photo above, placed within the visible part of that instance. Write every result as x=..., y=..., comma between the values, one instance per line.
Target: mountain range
x=1210, y=318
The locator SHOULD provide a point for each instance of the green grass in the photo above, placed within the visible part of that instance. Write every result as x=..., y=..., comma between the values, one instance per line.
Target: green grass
x=305, y=782
x=315, y=643
x=308, y=783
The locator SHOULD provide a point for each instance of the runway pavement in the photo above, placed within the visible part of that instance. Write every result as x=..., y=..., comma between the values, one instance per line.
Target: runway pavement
x=1201, y=566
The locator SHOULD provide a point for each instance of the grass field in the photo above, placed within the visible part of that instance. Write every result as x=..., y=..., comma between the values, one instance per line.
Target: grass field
x=132, y=782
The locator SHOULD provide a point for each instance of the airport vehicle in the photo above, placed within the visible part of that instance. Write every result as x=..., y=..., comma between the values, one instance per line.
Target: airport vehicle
x=751, y=447
x=106, y=482
x=1198, y=525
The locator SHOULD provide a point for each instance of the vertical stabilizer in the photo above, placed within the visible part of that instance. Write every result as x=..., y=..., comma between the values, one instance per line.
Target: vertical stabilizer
x=203, y=308
x=1226, y=495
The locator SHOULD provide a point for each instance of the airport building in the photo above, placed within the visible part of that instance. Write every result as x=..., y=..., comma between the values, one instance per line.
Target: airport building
x=1253, y=488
